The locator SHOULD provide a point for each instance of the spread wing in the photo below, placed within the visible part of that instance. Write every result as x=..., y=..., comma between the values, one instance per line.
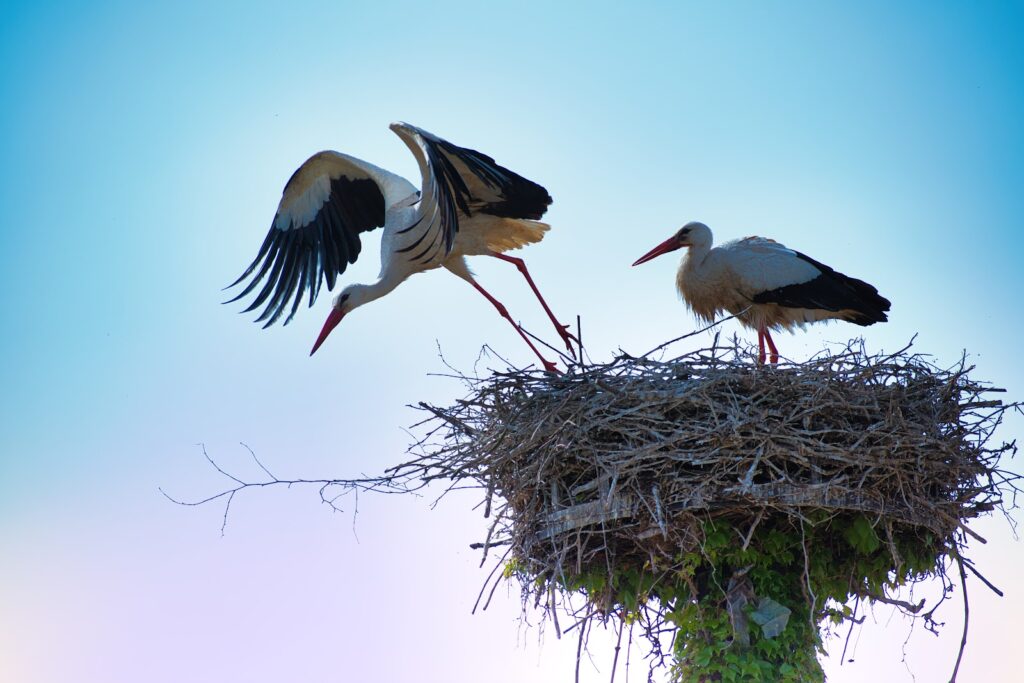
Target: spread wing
x=326, y=204
x=459, y=183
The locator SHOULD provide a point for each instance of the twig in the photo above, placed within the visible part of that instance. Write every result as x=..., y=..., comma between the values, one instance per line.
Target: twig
x=694, y=334
x=978, y=574
x=500, y=564
x=967, y=618
x=448, y=418
x=908, y=606
x=384, y=484
x=253, y=454
x=620, y=623
x=853, y=622
x=579, y=649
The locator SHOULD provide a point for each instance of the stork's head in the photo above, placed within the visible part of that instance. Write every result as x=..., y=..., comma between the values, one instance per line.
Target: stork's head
x=693, y=234
x=341, y=306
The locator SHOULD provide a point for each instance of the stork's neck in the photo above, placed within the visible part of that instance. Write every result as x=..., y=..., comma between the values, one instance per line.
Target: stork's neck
x=695, y=255
x=360, y=294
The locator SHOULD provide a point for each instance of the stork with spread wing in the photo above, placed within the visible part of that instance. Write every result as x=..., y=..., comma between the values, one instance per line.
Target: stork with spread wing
x=468, y=206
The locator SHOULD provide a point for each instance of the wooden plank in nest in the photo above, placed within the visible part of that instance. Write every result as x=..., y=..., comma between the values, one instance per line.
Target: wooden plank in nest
x=585, y=514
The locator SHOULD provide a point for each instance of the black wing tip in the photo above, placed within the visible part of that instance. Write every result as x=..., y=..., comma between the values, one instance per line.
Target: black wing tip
x=521, y=197
x=865, y=318
x=874, y=309
x=236, y=282
x=871, y=305
x=248, y=288
x=849, y=298
x=297, y=260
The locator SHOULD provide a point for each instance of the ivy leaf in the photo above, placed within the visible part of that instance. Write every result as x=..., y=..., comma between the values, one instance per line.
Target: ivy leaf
x=862, y=536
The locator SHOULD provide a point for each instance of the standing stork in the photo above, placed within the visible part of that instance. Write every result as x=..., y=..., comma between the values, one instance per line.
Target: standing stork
x=765, y=285
x=469, y=205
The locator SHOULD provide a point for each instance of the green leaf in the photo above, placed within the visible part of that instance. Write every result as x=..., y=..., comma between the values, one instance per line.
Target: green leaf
x=862, y=536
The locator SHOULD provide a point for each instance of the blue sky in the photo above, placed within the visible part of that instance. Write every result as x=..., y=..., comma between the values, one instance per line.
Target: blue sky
x=143, y=149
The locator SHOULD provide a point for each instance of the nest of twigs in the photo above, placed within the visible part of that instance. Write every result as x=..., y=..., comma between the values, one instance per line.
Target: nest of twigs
x=624, y=469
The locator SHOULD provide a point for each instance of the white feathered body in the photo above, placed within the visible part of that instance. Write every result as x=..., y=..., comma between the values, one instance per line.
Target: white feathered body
x=742, y=277
x=468, y=205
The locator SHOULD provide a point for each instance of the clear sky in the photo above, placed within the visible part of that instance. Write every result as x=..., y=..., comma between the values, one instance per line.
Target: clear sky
x=143, y=148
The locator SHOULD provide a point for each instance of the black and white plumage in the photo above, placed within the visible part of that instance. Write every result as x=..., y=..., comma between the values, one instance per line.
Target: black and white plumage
x=766, y=285
x=469, y=205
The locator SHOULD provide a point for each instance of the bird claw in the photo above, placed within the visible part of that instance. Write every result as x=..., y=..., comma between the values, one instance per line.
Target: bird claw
x=568, y=337
x=551, y=367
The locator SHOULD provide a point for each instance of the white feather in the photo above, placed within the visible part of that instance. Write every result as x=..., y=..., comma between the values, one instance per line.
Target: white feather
x=760, y=265
x=310, y=187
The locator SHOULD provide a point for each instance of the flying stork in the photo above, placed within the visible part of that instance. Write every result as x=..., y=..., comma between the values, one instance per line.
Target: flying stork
x=765, y=285
x=469, y=205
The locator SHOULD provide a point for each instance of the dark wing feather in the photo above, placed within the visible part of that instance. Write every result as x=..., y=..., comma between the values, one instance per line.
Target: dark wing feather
x=831, y=291
x=493, y=189
x=327, y=203
x=467, y=182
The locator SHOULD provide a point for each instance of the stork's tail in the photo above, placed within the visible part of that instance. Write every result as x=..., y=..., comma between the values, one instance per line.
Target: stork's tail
x=846, y=297
x=870, y=306
x=513, y=233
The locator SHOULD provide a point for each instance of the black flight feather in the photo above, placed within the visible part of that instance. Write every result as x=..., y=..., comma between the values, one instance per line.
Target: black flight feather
x=298, y=259
x=830, y=291
x=520, y=198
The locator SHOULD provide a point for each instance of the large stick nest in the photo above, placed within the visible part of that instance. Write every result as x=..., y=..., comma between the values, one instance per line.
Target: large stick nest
x=618, y=465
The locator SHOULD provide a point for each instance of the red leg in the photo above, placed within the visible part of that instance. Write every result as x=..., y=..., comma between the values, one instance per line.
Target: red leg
x=563, y=330
x=503, y=312
x=760, y=346
x=771, y=346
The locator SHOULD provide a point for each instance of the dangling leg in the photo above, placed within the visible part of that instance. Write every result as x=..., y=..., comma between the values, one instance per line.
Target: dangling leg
x=771, y=346
x=760, y=346
x=563, y=330
x=503, y=312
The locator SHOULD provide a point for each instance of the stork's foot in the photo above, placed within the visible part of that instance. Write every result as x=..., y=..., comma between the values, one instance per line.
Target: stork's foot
x=569, y=338
x=550, y=367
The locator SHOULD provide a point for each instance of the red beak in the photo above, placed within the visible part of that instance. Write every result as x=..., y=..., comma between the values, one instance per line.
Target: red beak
x=671, y=244
x=332, y=321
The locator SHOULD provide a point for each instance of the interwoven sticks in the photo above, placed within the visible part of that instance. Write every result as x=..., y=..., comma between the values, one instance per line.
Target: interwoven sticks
x=621, y=467
x=634, y=443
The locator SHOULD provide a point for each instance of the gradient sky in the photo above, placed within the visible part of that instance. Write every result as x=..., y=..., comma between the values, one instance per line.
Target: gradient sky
x=143, y=149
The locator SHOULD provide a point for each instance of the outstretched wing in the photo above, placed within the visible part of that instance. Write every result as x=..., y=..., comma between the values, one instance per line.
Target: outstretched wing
x=459, y=182
x=326, y=204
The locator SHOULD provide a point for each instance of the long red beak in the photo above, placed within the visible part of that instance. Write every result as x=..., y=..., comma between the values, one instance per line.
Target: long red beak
x=332, y=321
x=671, y=244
